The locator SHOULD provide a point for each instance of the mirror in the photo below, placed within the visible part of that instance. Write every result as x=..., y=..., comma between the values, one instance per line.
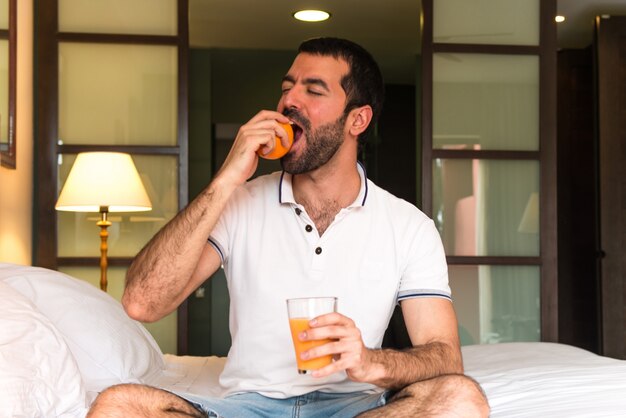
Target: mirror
x=8, y=56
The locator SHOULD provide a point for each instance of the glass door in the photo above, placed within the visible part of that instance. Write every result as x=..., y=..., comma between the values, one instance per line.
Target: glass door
x=112, y=77
x=488, y=151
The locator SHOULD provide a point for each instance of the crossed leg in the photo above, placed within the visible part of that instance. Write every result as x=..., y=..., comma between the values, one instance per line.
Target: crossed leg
x=453, y=395
x=139, y=401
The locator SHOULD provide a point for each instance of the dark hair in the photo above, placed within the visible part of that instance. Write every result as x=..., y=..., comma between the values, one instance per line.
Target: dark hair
x=364, y=82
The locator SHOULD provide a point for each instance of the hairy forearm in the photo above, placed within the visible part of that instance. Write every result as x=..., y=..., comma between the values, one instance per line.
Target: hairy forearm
x=159, y=274
x=161, y=269
x=395, y=369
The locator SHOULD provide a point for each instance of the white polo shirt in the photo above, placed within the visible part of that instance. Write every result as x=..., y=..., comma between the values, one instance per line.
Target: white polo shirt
x=377, y=252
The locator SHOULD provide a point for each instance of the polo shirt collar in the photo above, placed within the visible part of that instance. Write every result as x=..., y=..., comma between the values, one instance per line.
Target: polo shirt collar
x=285, y=188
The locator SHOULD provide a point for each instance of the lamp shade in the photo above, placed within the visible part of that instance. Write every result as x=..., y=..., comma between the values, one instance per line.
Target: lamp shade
x=103, y=179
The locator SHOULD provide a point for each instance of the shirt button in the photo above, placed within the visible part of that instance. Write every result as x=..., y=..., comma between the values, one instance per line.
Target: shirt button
x=298, y=211
x=308, y=228
x=318, y=250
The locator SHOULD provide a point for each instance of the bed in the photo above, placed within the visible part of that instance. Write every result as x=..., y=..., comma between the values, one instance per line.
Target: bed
x=62, y=341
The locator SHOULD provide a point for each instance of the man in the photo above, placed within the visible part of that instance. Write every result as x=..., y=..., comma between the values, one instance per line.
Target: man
x=319, y=228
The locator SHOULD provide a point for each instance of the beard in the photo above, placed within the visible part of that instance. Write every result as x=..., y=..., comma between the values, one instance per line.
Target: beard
x=321, y=146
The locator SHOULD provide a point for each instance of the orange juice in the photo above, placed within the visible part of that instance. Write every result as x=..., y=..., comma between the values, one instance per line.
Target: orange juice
x=298, y=325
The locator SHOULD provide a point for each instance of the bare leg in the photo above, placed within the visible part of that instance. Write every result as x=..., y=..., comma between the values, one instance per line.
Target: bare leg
x=137, y=401
x=443, y=396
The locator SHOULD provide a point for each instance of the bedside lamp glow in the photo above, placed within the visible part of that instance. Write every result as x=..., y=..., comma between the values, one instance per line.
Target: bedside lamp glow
x=103, y=182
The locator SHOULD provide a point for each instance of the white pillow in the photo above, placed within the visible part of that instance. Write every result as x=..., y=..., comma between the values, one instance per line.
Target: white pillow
x=107, y=345
x=38, y=375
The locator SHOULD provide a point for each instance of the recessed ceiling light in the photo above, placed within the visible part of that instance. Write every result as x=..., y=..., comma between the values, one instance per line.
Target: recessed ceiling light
x=311, y=15
x=559, y=19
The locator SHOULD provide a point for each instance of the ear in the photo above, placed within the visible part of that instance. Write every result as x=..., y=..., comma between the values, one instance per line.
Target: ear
x=359, y=119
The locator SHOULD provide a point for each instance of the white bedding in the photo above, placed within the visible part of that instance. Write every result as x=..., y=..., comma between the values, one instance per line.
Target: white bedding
x=62, y=340
x=538, y=380
x=547, y=380
x=189, y=374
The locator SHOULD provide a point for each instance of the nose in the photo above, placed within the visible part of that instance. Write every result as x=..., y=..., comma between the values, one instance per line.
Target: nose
x=290, y=99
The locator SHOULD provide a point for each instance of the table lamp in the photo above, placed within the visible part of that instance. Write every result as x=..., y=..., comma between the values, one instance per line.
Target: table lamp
x=103, y=182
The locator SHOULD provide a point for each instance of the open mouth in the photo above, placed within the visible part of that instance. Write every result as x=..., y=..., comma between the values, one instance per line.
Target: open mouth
x=297, y=130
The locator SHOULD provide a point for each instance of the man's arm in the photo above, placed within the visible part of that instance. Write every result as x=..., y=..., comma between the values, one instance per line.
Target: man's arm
x=178, y=259
x=432, y=327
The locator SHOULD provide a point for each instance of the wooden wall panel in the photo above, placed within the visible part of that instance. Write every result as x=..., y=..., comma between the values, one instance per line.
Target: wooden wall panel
x=611, y=131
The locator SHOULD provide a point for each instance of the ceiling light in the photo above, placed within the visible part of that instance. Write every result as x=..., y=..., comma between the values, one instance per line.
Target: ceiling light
x=559, y=19
x=311, y=15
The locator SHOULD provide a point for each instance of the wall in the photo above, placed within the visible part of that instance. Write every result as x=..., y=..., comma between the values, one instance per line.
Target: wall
x=16, y=186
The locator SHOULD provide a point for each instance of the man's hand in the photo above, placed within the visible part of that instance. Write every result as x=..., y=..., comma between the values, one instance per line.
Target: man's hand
x=348, y=349
x=242, y=160
x=178, y=259
x=431, y=324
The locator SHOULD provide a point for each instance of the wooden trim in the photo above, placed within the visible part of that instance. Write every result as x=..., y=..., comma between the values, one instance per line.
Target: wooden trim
x=486, y=49
x=132, y=149
x=183, y=101
x=599, y=252
x=8, y=153
x=485, y=154
x=9, y=159
x=609, y=130
x=109, y=38
x=93, y=261
x=4, y=34
x=427, y=107
x=548, y=172
x=46, y=128
x=493, y=260
x=182, y=338
x=182, y=328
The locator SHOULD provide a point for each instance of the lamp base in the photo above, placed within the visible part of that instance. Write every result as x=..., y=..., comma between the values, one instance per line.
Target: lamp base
x=103, y=223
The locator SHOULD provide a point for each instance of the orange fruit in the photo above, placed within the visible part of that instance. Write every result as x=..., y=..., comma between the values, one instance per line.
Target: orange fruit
x=279, y=150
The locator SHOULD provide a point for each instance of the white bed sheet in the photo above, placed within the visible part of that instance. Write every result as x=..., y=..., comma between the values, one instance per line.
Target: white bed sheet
x=544, y=380
x=547, y=380
x=91, y=331
x=189, y=374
